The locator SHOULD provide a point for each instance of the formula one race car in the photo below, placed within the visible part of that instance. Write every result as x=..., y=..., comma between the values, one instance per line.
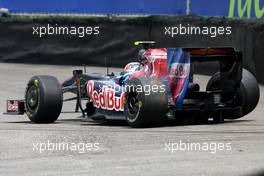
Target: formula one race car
x=158, y=87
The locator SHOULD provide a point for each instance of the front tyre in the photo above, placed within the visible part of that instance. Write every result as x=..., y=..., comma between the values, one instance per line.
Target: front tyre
x=146, y=102
x=43, y=99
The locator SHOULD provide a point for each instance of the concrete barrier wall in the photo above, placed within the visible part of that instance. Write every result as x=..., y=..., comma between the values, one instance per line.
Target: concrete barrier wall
x=115, y=41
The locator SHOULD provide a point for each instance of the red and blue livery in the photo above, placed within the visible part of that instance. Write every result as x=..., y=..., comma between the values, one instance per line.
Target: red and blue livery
x=158, y=87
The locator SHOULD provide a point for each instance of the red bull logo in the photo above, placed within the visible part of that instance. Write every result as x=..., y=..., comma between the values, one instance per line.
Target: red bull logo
x=179, y=70
x=105, y=98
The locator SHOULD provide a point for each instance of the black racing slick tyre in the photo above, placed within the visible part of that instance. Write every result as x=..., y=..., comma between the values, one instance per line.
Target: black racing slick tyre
x=43, y=99
x=247, y=96
x=146, y=102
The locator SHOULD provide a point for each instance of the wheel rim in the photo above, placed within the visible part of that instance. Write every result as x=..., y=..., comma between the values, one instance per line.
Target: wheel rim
x=133, y=103
x=32, y=98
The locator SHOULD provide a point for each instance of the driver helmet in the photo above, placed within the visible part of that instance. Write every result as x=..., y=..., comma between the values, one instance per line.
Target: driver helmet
x=132, y=67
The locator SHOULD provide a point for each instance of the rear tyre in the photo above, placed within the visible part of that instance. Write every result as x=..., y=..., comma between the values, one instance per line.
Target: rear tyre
x=43, y=99
x=146, y=102
x=247, y=96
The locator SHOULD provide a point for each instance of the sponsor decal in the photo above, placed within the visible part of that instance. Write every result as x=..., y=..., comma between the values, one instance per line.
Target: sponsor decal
x=105, y=97
x=179, y=70
x=12, y=106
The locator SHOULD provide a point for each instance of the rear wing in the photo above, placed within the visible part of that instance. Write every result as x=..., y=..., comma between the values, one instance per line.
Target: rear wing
x=213, y=54
x=230, y=63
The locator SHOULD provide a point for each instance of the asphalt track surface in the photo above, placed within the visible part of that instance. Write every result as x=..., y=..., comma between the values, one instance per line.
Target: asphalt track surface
x=121, y=150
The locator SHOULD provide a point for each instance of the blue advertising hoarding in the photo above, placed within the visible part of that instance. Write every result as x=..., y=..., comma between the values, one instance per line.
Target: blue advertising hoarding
x=228, y=8
x=96, y=6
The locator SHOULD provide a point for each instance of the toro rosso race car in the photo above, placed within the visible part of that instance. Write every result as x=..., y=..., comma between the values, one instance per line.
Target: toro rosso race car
x=158, y=87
